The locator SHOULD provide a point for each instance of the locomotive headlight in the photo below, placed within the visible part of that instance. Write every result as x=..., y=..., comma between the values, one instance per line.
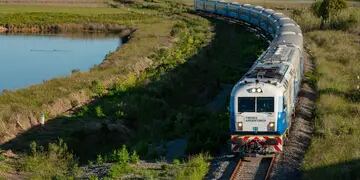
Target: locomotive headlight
x=271, y=126
x=240, y=126
x=255, y=90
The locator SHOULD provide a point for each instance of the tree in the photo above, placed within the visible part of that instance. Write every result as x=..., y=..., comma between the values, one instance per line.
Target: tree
x=328, y=8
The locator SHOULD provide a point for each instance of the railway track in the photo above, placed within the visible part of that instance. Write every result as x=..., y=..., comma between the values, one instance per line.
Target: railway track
x=253, y=168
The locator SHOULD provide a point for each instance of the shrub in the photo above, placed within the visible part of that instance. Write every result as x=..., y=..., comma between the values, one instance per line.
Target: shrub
x=176, y=162
x=98, y=88
x=99, y=159
x=123, y=85
x=84, y=109
x=56, y=162
x=99, y=112
x=315, y=8
x=327, y=9
x=134, y=158
x=122, y=158
x=195, y=169
x=121, y=155
x=345, y=20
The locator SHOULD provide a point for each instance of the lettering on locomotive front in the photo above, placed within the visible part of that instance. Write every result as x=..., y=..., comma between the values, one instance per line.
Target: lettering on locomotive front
x=254, y=119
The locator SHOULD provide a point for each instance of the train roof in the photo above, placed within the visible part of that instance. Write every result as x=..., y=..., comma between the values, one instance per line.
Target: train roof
x=274, y=64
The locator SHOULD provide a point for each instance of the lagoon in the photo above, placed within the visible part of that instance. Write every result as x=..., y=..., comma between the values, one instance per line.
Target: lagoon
x=30, y=59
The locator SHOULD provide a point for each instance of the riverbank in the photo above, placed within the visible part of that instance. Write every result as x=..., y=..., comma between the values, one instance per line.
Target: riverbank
x=21, y=109
x=156, y=31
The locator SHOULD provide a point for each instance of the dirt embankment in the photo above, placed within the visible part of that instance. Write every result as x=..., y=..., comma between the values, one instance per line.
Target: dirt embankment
x=3, y=29
x=17, y=123
x=69, y=28
x=22, y=121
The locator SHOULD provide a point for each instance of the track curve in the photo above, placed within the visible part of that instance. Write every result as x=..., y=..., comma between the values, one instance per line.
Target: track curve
x=285, y=50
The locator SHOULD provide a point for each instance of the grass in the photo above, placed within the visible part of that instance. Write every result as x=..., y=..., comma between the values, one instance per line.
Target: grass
x=167, y=99
x=334, y=151
x=145, y=73
x=163, y=103
x=53, y=163
x=11, y=8
x=6, y=166
x=31, y=101
x=195, y=168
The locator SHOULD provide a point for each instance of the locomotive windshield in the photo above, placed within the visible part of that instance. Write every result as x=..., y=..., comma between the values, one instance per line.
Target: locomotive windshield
x=255, y=104
x=265, y=104
x=246, y=104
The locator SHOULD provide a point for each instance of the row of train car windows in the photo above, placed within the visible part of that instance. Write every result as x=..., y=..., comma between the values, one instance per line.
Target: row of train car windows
x=255, y=104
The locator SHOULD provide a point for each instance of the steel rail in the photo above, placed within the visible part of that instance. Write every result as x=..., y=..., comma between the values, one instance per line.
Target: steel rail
x=259, y=168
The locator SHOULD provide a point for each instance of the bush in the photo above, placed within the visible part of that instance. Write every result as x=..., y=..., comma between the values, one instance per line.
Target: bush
x=328, y=9
x=134, y=158
x=123, y=85
x=55, y=162
x=99, y=112
x=121, y=155
x=84, y=109
x=195, y=169
x=122, y=158
x=99, y=160
x=98, y=88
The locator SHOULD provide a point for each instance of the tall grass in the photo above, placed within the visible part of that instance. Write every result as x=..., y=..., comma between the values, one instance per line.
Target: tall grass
x=347, y=20
x=334, y=151
x=53, y=163
x=195, y=168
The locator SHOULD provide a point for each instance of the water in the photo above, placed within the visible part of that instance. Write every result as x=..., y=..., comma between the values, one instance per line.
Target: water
x=30, y=59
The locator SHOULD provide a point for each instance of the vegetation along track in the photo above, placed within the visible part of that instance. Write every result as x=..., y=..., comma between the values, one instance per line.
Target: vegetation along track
x=253, y=168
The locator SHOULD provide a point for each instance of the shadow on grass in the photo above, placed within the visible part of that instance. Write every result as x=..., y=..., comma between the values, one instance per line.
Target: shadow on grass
x=345, y=170
x=168, y=104
x=350, y=95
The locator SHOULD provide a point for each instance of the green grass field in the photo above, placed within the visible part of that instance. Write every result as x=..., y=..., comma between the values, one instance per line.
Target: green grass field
x=334, y=152
x=167, y=50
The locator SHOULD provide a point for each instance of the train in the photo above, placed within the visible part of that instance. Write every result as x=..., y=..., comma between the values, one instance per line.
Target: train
x=262, y=102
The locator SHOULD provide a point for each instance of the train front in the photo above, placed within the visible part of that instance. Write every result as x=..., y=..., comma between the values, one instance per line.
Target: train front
x=257, y=119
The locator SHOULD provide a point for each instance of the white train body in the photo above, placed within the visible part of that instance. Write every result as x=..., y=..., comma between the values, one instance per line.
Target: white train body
x=264, y=99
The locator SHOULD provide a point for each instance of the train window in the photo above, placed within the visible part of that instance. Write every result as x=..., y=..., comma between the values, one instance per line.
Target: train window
x=246, y=104
x=265, y=104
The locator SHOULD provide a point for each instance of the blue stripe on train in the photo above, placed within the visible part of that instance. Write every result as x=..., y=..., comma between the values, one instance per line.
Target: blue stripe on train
x=282, y=124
